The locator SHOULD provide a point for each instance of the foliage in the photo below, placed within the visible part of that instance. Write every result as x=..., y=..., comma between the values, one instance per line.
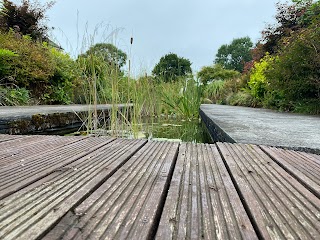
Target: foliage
x=49, y=75
x=290, y=19
x=31, y=67
x=99, y=79
x=14, y=96
x=258, y=82
x=171, y=67
x=64, y=79
x=108, y=53
x=27, y=18
x=233, y=56
x=185, y=104
x=6, y=58
x=296, y=74
x=2, y=9
x=216, y=72
x=241, y=98
x=214, y=91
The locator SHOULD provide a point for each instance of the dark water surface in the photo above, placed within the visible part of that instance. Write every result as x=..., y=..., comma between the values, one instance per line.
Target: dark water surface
x=161, y=128
x=176, y=130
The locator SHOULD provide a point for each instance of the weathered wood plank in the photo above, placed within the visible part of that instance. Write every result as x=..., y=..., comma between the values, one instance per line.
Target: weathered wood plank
x=20, y=174
x=30, y=213
x=6, y=137
x=202, y=202
x=128, y=204
x=304, y=167
x=281, y=208
x=20, y=149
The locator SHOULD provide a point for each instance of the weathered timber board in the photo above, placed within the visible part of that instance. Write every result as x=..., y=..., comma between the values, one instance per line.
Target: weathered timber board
x=31, y=212
x=5, y=137
x=279, y=205
x=129, y=203
x=304, y=167
x=87, y=188
x=202, y=202
x=20, y=174
x=19, y=149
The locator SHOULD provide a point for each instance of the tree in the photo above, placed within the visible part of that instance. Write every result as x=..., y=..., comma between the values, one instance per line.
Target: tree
x=109, y=53
x=27, y=19
x=233, y=56
x=290, y=18
x=296, y=74
x=170, y=67
x=216, y=72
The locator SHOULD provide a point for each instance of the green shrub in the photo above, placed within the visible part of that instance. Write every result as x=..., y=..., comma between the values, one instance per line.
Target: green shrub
x=214, y=91
x=242, y=98
x=64, y=80
x=296, y=72
x=6, y=59
x=14, y=96
x=32, y=66
x=258, y=82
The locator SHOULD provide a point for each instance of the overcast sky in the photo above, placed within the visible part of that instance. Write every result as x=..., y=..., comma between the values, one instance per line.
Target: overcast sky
x=193, y=29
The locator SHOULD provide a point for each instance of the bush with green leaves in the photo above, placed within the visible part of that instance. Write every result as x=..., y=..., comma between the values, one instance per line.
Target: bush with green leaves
x=209, y=74
x=242, y=98
x=6, y=59
x=13, y=96
x=64, y=80
x=32, y=67
x=258, y=82
x=295, y=75
x=214, y=91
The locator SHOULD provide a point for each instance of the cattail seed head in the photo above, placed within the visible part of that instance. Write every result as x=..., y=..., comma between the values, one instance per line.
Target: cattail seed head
x=131, y=40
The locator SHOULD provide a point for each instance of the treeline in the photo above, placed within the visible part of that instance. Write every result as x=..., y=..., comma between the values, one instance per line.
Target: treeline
x=280, y=72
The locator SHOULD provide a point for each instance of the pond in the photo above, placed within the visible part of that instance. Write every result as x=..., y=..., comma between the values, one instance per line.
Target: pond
x=176, y=130
x=169, y=129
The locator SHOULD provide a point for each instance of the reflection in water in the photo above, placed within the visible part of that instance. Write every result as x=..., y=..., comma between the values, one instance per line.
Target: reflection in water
x=179, y=130
x=169, y=129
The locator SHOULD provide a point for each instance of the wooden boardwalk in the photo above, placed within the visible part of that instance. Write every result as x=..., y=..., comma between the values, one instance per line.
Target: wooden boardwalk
x=106, y=188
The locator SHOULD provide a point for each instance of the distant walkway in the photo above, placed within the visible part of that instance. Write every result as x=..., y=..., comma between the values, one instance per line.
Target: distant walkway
x=9, y=112
x=267, y=127
x=48, y=119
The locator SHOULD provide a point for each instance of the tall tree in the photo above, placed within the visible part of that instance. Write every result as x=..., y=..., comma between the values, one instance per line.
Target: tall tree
x=216, y=72
x=108, y=53
x=27, y=18
x=171, y=66
x=233, y=56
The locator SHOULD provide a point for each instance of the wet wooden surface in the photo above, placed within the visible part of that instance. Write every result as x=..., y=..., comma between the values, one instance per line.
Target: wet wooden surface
x=105, y=188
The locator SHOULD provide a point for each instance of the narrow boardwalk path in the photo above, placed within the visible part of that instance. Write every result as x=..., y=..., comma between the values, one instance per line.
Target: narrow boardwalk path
x=108, y=188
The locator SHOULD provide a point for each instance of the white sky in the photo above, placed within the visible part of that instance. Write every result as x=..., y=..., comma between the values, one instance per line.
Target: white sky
x=193, y=29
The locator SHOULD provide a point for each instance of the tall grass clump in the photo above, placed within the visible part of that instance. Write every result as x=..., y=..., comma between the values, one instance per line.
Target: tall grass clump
x=105, y=79
x=214, y=91
x=181, y=98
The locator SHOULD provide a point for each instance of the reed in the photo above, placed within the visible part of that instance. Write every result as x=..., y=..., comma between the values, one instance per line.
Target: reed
x=103, y=82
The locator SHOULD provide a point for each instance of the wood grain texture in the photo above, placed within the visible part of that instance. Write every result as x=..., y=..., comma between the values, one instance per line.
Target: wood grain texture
x=304, y=167
x=282, y=208
x=29, y=213
x=127, y=204
x=202, y=202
